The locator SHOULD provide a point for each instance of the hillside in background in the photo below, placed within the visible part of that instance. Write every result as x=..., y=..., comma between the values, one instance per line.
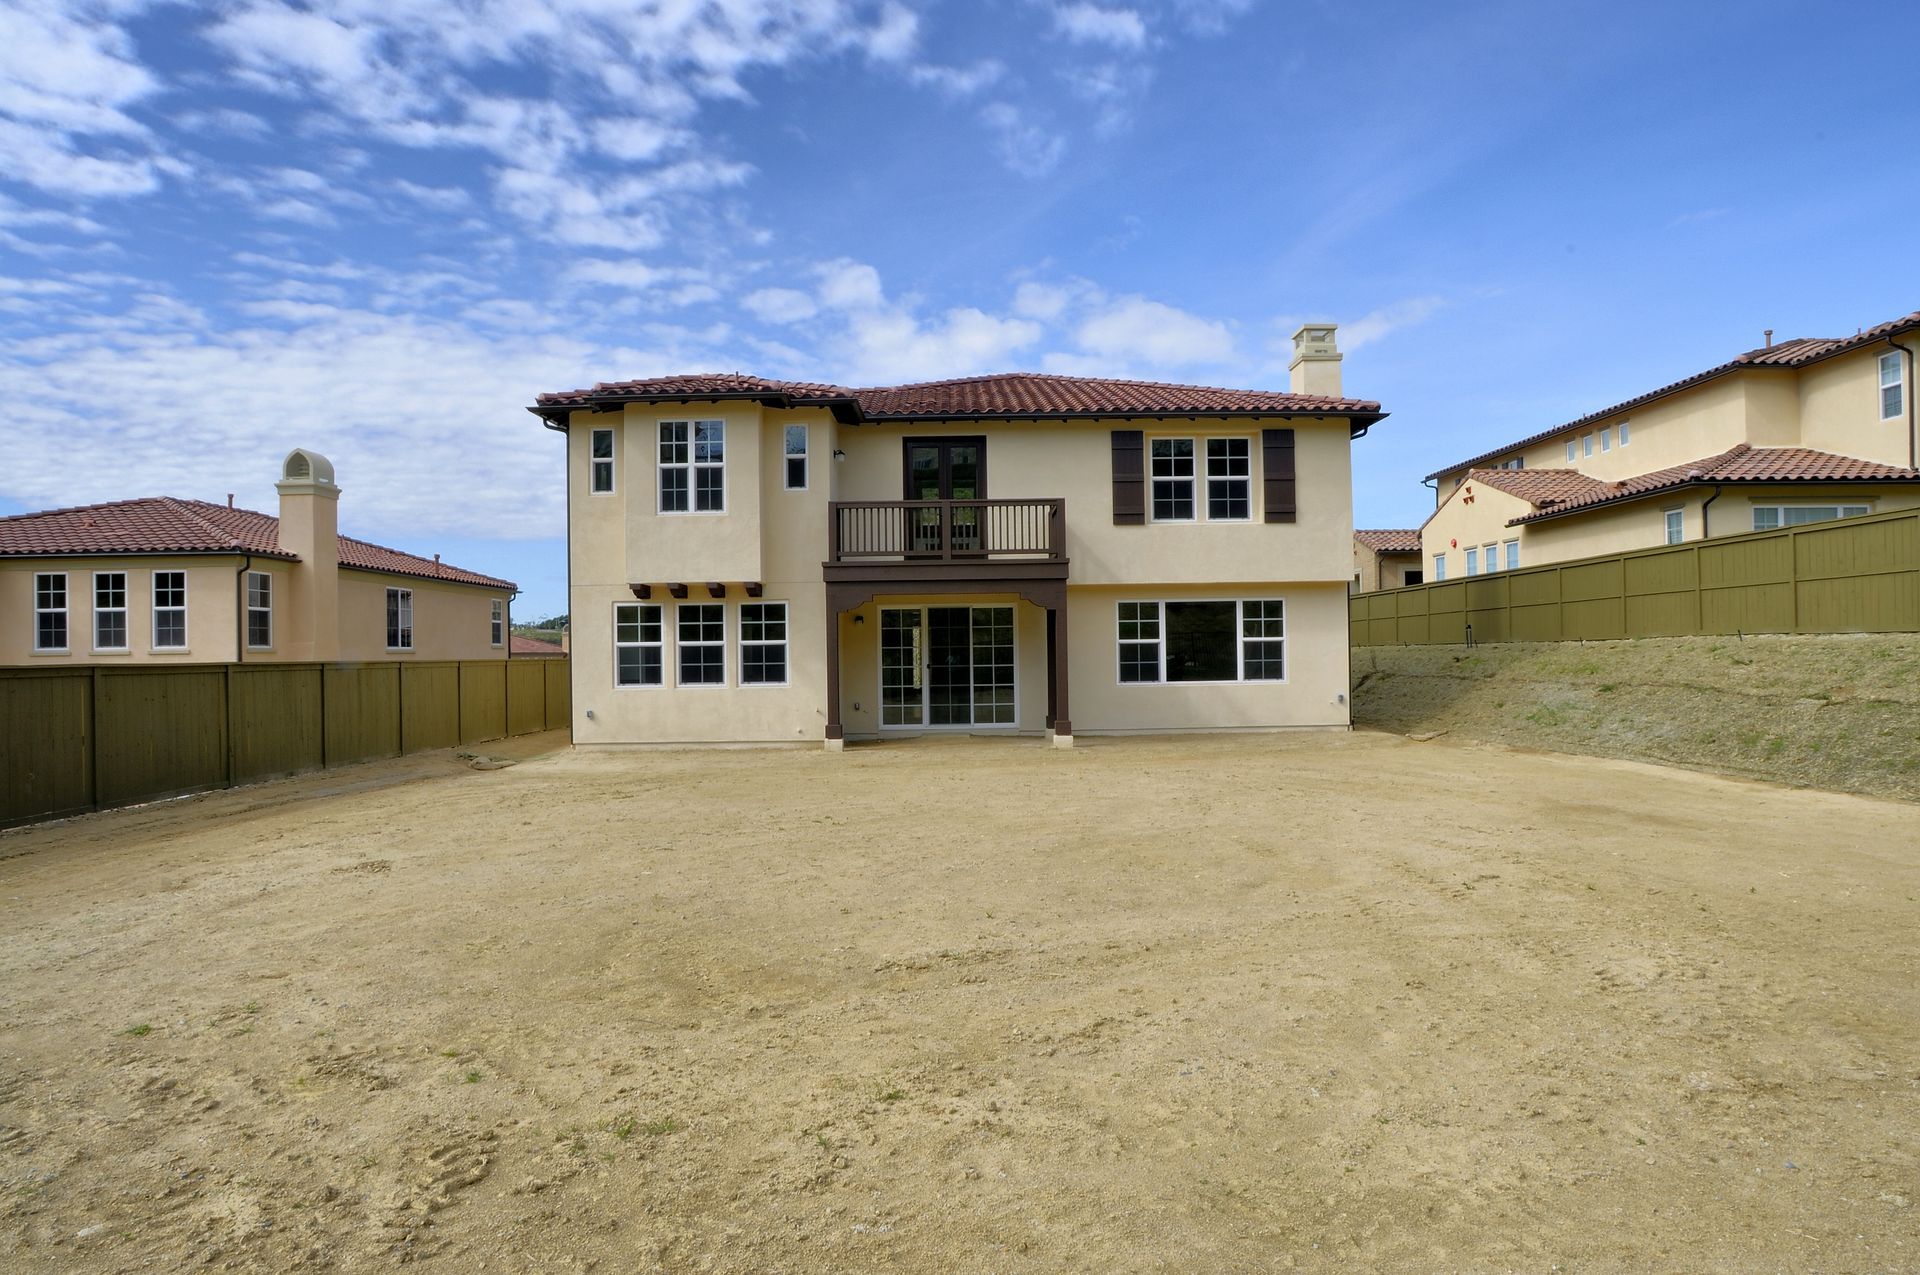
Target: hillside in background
x=1839, y=712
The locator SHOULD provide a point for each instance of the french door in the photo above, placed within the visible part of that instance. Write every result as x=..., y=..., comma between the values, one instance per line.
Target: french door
x=946, y=469
x=946, y=666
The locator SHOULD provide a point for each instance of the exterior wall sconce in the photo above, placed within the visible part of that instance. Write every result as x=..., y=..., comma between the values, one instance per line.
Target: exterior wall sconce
x=838, y=454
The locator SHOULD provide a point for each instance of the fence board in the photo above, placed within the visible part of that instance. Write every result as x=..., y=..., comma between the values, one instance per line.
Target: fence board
x=49, y=754
x=429, y=706
x=559, y=692
x=275, y=717
x=1846, y=576
x=483, y=700
x=526, y=697
x=362, y=712
x=162, y=732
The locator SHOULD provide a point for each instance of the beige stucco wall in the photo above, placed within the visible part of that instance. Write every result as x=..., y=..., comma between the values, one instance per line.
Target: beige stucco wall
x=1373, y=571
x=1839, y=404
x=210, y=609
x=1459, y=525
x=450, y=621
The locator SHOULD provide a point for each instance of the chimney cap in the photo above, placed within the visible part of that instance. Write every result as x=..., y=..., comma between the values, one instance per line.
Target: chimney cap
x=307, y=472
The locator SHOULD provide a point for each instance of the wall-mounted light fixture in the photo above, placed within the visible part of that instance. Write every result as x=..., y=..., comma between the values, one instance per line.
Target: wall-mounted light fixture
x=859, y=619
x=838, y=454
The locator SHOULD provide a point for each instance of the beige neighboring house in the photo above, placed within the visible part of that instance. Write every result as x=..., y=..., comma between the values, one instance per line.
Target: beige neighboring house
x=163, y=579
x=1793, y=432
x=757, y=561
x=1386, y=559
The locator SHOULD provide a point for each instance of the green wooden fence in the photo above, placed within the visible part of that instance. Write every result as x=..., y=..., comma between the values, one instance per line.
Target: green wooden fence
x=1852, y=575
x=88, y=737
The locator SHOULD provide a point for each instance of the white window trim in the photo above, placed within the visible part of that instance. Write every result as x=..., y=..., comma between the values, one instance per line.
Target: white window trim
x=1899, y=381
x=1667, y=528
x=1586, y=445
x=1623, y=432
x=64, y=610
x=250, y=609
x=785, y=643
x=1606, y=439
x=1204, y=472
x=1573, y=450
x=693, y=468
x=1202, y=479
x=1840, y=507
x=610, y=461
x=804, y=456
x=1193, y=480
x=679, y=683
x=1439, y=568
x=407, y=625
x=1510, y=555
x=1472, y=555
x=153, y=627
x=1240, y=641
x=661, y=646
x=126, y=615
x=1490, y=559
x=497, y=622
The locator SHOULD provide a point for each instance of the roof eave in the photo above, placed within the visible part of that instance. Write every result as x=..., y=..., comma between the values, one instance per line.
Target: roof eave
x=847, y=410
x=1692, y=483
x=483, y=583
x=239, y=551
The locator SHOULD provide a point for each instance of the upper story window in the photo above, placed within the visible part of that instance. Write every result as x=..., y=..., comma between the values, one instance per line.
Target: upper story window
x=1606, y=440
x=1439, y=566
x=1623, y=433
x=50, y=611
x=600, y=482
x=399, y=619
x=259, y=610
x=1892, y=389
x=693, y=467
x=1573, y=450
x=1229, y=475
x=1676, y=526
x=497, y=623
x=1513, y=554
x=110, y=611
x=1473, y=561
x=169, y=610
x=796, y=457
x=1586, y=444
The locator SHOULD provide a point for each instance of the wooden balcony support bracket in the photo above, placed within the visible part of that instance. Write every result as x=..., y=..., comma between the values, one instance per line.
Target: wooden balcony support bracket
x=677, y=590
x=641, y=591
x=754, y=588
x=715, y=589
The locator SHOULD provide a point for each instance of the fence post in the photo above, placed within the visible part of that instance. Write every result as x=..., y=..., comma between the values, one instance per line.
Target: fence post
x=1699, y=596
x=226, y=718
x=93, y=737
x=321, y=670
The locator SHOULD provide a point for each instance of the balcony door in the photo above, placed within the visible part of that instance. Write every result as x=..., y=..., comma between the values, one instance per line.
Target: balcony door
x=946, y=469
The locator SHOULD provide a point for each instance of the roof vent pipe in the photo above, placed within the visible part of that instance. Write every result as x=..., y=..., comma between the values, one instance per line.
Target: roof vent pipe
x=1769, y=335
x=229, y=500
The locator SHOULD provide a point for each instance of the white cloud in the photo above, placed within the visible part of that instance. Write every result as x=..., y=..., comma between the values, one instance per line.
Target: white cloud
x=850, y=285
x=1377, y=324
x=1137, y=331
x=438, y=198
x=1093, y=24
x=894, y=36
x=958, y=81
x=780, y=305
x=1026, y=147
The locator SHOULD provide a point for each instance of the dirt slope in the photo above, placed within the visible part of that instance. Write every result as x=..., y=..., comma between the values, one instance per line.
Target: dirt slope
x=1841, y=712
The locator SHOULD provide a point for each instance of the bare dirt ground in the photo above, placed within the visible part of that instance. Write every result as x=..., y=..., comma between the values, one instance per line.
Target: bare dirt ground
x=1219, y=1005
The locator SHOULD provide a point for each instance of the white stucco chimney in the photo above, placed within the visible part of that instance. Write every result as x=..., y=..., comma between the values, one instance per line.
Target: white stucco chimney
x=308, y=625
x=1316, y=361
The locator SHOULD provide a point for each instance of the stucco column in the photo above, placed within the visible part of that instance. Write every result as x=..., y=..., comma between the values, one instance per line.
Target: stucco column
x=835, y=735
x=1062, y=713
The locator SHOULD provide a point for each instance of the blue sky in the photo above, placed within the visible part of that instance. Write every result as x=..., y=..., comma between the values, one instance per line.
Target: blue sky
x=379, y=227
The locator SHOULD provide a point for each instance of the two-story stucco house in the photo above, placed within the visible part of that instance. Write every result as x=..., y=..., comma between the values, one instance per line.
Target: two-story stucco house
x=1793, y=432
x=161, y=579
x=760, y=561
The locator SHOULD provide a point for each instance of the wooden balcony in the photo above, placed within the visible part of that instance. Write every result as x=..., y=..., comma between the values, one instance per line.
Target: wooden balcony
x=903, y=541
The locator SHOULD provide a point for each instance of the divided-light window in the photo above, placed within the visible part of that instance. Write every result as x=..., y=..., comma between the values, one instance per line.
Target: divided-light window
x=110, y=611
x=497, y=623
x=1675, y=525
x=693, y=467
x=763, y=644
x=1773, y=517
x=50, y=611
x=601, y=461
x=637, y=644
x=169, y=610
x=796, y=457
x=702, y=643
x=399, y=619
x=1175, y=478
x=1202, y=641
x=259, y=610
x=1892, y=387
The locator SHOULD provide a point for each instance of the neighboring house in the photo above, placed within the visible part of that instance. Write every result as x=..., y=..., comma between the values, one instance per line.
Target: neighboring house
x=758, y=560
x=1386, y=559
x=1790, y=433
x=164, y=579
x=532, y=648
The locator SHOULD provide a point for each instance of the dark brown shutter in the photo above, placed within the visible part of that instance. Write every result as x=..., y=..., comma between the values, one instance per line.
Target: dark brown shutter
x=1276, y=465
x=1129, y=478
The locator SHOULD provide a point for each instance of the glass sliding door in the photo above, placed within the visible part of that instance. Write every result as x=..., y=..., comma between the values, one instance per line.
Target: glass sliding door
x=947, y=666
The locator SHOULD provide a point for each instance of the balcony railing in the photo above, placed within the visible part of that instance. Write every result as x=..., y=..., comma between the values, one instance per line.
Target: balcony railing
x=946, y=530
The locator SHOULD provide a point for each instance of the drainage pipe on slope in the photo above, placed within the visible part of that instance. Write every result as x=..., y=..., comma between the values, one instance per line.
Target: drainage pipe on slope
x=1906, y=392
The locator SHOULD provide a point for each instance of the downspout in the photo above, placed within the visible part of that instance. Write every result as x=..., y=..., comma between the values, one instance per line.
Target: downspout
x=1706, y=531
x=1906, y=391
x=240, y=610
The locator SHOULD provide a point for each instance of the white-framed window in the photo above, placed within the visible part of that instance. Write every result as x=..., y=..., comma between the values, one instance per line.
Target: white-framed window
x=701, y=633
x=763, y=644
x=1606, y=439
x=1773, y=517
x=1490, y=558
x=1892, y=390
x=693, y=467
x=399, y=619
x=1573, y=450
x=638, y=645
x=1676, y=525
x=1623, y=433
x=1586, y=444
x=1173, y=480
x=1512, y=548
x=1439, y=567
x=795, y=442
x=50, y=611
x=600, y=462
x=259, y=610
x=1202, y=641
x=110, y=611
x=497, y=623
x=169, y=610
x=1473, y=560
x=1229, y=479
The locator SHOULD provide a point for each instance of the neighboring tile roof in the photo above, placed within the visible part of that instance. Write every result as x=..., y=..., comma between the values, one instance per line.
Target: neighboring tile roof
x=1797, y=352
x=1740, y=464
x=1398, y=540
x=162, y=524
x=518, y=645
x=1012, y=395
x=1538, y=487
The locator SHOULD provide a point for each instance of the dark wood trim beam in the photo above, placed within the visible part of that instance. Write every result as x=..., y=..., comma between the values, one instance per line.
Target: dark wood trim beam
x=715, y=589
x=677, y=590
x=641, y=591
x=754, y=588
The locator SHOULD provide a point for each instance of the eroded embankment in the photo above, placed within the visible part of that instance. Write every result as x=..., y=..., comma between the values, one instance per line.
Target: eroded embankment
x=1839, y=712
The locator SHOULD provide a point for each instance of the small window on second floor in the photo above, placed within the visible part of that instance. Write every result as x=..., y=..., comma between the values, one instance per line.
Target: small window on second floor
x=1473, y=562
x=497, y=623
x=1573, y=450
x=602, y=462
x=693, y=467
x=399, y=619
x=1586, y=444
x=1512, y=548
x=1892, y=390
x=1439, y=566
x=259, y=610
x=1606, y=440
x=1623, y=433
x=1676, y=526
x=796, y=457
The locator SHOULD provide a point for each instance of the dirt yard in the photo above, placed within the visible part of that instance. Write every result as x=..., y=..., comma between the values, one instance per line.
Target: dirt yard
x=1204, y=1005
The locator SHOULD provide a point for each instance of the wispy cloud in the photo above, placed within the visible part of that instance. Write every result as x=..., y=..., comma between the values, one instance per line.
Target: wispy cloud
x=1093, y=24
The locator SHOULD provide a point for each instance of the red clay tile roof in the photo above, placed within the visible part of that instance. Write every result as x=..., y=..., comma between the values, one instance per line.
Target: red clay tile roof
x=523, y=646
x=1797, y=352
x=1538, y=487
x=162, y=524
x=1398, y=540
x=1012, y=395
x=1739, y=464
